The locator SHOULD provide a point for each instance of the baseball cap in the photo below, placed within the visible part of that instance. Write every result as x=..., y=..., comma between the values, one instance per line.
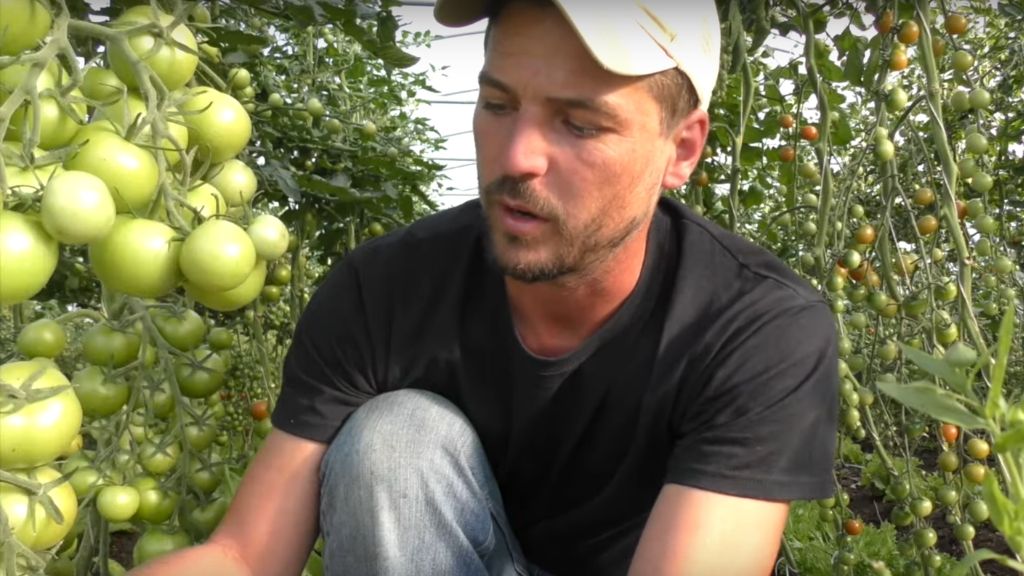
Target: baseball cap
x=631, y=37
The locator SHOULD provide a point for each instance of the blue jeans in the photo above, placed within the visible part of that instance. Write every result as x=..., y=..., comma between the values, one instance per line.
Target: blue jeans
x=406, y=489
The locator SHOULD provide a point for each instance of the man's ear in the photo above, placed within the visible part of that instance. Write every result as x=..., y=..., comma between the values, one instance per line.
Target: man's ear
x=688, y=138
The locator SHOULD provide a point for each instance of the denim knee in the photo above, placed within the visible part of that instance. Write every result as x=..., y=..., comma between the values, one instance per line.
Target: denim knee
x=405, y=430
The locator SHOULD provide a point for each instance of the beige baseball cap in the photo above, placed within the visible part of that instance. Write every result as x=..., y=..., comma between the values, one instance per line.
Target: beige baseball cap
x=631, y=37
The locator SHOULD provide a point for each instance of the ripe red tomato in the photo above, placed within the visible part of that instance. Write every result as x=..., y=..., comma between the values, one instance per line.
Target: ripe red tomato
x=950, y=432
x=809, y=133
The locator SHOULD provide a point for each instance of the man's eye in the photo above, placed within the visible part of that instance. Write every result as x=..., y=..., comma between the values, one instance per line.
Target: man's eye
x=496, y=107
x=582, y=131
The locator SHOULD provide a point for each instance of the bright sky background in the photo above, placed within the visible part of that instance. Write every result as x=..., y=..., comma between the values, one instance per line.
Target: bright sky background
x=457, y=58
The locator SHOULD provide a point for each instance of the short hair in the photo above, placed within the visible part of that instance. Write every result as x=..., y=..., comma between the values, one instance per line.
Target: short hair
x=671, y=89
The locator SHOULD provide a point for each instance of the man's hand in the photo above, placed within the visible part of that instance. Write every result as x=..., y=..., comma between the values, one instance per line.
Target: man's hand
x=272, y=522
x=693, y=532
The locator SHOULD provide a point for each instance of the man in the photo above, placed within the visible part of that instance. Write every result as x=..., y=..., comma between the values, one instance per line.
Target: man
x=572, y=375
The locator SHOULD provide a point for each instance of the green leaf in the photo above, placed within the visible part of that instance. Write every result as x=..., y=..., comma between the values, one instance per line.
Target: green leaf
x=929, y=399
x=935, y=366
x=1000, y=507
x=853, y=70
x=1009, y=441
x=1002, y=358
x=964, y=565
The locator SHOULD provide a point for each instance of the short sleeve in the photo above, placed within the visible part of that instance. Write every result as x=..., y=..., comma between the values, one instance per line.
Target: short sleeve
x=328, y=369
x=764, y=424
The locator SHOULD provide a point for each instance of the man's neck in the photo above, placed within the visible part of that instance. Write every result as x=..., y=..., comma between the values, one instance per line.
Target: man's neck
x=555, y=318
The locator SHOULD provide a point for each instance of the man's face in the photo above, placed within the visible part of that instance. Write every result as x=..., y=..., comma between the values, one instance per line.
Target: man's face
x=570, y=157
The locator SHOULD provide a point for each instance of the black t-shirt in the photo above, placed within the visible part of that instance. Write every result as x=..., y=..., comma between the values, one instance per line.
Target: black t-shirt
x=719, y=372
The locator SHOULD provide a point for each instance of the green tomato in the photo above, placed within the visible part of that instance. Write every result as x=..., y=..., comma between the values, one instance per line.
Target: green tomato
x=217, y=256
x=124, y=112
x=102, y=84
x=57, y=127
x=981, y=182
x=206, y=200
x=23, y=25
x=269, y=236
x=138, y=257
x=130, y=172
x=99, y=395
x=962, y=61
x=33, y=526
x=156, y=542
x=980, y=98
x=28, y=257
x=117, y=503
x=206, y=476
x=43, y=338
x=200, y=436
x=158, y=458
x=977, y=143
x=884, y=150
x=184, y=330
x=235, y=181
x=174, y=65
x=234, y=299
x=960, y=101
x=217, y=123
x=200, y=373
x=220, y=338
x=102, y=345
x=896, y=99
x=77, y=208
x=37, y=432
x=156, y=505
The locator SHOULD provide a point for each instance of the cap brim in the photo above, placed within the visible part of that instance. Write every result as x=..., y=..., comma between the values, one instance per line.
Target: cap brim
x=457, y=13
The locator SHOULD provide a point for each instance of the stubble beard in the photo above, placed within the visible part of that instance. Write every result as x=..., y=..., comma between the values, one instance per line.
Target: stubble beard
x=578, y=253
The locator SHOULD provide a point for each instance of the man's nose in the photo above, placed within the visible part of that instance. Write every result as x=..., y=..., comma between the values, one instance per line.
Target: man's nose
x=526, y=148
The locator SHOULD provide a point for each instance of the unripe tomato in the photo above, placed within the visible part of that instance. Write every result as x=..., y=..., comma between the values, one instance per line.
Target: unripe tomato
x=130, y=173
x=217, y=124
x=138, y=257
x=978, y=448
x=77, y=208
x=156, y=542
x=200, y=373
x=27, y=518
x=962, y=61
x=236, y=298
x=174, y=65
x=183, y=329
x=28, y=257
x=117, y=503
x=99, y=394
x=35, y=433
x=158, y=458
x=981, y=182
x=43, y=338
x=235, y=180
x=884, y=150
x=975, y=472
x=964, y=532
x=217, y=256
x=925, y=537
x=921, y=507
x=23, y=25
x=105, y=346
x=946, y=495
x=205, y=199
x=866, y=234
x=786, y=121
x=978, y=511
x=980, y=98
x=269, y=236
x=220, y=338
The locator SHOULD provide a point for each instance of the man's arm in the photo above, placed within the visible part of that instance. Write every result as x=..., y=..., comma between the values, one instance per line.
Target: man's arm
x=693, y=532
x=272, y=522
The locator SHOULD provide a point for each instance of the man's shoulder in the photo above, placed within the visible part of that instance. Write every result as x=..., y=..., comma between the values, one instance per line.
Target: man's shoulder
x=730, y=266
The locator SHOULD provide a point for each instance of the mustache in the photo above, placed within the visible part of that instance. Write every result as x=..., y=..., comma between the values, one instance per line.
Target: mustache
x=520, y=191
